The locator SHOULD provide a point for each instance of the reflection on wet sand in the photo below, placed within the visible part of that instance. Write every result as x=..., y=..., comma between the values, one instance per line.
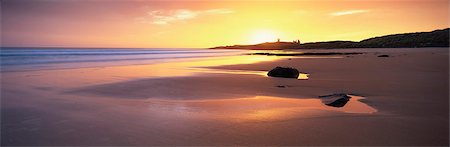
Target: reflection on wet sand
x=78, y=77
x=301, y=76
x=256, y=108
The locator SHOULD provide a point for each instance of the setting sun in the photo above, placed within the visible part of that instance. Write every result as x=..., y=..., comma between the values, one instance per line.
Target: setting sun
x=262, y=36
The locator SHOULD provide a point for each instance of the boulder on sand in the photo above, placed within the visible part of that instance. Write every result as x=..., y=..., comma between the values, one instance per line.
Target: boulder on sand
x=284, y=72
x=335, y=100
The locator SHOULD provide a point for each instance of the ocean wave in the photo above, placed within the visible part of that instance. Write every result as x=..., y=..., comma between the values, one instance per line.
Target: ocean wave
x=13, y=59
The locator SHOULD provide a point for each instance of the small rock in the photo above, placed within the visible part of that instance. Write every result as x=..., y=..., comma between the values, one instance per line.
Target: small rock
x=383, y=56
x=335, y=95
x=335, y=100
x=284, y=72
x=339, y=102
x=281, y=86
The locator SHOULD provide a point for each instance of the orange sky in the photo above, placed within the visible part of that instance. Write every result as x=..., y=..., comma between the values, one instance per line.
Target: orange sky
x=199, y=24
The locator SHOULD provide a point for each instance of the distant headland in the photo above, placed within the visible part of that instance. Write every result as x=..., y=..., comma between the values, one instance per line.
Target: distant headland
x=436, y=38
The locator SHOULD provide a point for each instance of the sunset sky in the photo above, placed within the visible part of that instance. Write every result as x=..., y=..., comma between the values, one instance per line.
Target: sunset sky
x=199, y=24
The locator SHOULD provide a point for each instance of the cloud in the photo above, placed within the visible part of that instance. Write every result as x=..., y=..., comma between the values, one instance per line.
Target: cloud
x=161, y=17
x=348, y=12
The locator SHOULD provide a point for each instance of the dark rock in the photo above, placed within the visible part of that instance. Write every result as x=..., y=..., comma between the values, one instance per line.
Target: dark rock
x=383, y=56
x=339, y=102
x=284, y=72
x=335, y=95
x=335, y=100
x=281, y=86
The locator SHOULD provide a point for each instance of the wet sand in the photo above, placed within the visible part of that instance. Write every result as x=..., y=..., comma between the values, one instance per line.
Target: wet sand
x=228, y=101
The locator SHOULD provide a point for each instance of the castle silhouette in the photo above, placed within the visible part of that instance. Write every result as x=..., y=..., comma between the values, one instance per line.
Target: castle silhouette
x=295, y=41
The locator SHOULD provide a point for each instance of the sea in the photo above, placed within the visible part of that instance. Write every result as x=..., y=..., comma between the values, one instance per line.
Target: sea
x=25, y=59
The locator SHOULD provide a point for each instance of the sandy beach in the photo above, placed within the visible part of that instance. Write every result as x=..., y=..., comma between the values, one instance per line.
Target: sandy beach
x=402, y=99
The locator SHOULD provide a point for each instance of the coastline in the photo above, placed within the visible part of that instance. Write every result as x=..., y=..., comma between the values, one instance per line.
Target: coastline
x=152, y=104
x=436, y=38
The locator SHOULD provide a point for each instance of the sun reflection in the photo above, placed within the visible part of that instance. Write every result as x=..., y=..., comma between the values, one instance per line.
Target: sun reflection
x=255, y=108
x=175, y=67
x=303, y=76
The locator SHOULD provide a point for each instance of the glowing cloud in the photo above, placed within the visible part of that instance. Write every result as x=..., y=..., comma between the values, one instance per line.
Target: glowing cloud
x=348, y=12
x=161, y=17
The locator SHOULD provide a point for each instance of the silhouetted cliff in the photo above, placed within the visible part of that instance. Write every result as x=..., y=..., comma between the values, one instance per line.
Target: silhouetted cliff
x=437, y=38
